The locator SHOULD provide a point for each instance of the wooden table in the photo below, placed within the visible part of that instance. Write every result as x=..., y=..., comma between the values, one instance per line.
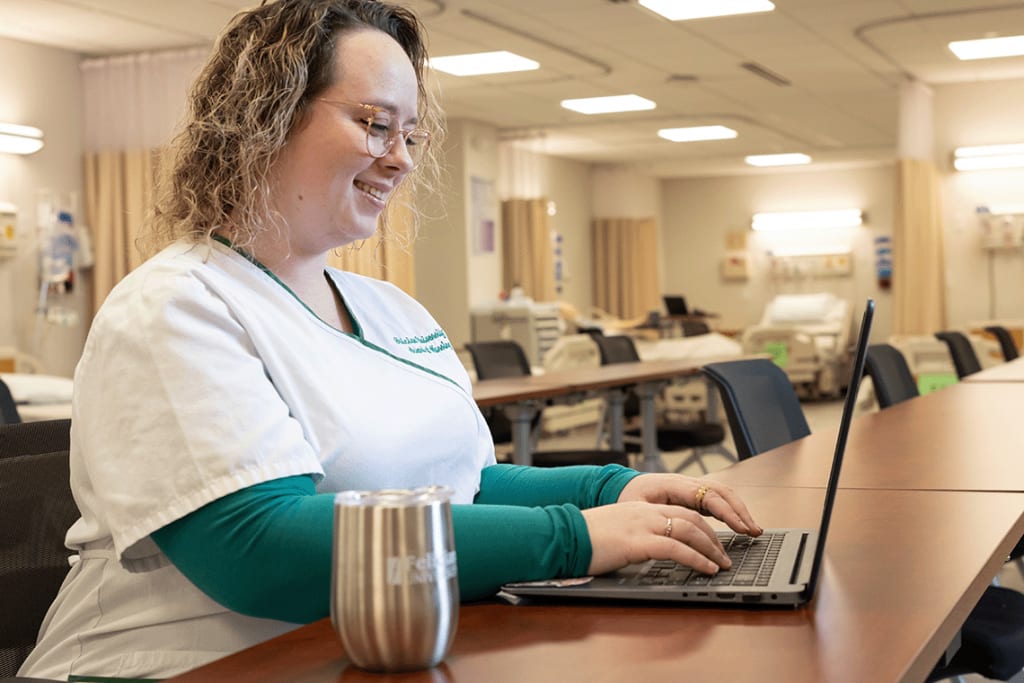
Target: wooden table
x=968, y=436
x=522, y=397
x=890, y=601
x=1012, y=371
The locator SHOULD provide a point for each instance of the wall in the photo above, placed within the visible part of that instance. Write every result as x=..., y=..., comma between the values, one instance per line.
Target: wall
x=700, y=212
x=42, y=88
x=980, y=284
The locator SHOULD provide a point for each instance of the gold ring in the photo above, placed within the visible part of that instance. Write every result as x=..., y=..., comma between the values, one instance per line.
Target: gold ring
x=668, y=527
x=698, y=501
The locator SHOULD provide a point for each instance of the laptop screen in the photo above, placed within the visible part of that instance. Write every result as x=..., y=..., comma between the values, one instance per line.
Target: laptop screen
x=675, y=305
x=844, y=431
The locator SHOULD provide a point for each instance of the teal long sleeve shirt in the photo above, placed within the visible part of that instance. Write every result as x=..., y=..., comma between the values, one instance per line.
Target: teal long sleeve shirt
x=265, y=551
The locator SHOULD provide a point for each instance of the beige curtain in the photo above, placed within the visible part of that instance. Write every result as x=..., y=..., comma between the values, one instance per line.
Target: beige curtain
x=118, y=194
x=387, y=258
x=625, y=266
x=919, y=289
x=527, y=256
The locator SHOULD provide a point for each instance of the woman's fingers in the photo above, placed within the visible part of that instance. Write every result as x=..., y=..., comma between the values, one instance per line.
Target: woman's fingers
x=722, y=503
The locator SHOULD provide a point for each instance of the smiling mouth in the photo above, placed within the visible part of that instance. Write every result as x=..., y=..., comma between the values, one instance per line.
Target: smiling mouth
x=370, y=190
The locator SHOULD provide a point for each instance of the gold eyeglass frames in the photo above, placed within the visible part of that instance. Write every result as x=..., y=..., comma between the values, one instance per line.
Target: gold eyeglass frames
x=381, y=132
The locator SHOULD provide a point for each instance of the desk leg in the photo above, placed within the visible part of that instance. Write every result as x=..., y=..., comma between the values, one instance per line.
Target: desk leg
x=520, y=415
x=649, y=429
x=615, y=401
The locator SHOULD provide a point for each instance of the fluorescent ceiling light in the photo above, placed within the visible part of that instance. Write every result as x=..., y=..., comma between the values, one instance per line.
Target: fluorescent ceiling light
x=988, y=48
x=680, y=10
x=988, y=157
x=20, y=139
x=608, y=105
x=1004, y=209
x=483, y=63
x=777, y=159
x=794, y=220
x=697, y=133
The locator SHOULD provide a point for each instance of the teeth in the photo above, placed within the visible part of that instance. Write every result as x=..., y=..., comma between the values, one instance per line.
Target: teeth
x=372, y=191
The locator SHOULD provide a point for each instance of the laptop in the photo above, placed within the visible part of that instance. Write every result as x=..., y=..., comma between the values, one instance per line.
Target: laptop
x=676, y=305
x=780, y=567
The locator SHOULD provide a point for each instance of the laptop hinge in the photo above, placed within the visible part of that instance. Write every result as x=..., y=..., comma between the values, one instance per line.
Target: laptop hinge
x=794, y=575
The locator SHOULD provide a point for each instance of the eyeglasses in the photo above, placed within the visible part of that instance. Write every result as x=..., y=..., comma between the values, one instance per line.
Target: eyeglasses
x=381, y=132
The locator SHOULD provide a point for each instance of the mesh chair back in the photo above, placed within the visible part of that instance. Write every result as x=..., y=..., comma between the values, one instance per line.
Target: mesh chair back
x=890, y=375
x=616, y=349
x=500, y=358
x=1005, y=339
x=37, y=508
x=8, y=409
x=695, y=328
x=762, y=407
x=964, y=359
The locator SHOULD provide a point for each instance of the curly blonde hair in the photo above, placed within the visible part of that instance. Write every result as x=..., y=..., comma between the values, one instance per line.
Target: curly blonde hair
x=267, y=67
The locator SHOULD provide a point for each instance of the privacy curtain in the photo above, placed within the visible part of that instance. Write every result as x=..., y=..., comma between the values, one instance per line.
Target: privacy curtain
x=919, y=290
x=625, y=266
x=527, y=254
x=384, y=256
x=132, y=105
x=118, y=195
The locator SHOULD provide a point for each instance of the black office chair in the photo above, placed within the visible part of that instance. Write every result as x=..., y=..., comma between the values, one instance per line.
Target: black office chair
x=8, y=408
x=1005, y=339
x=890, y=375
x=960, y=350
x=37, y=508
x=763, y=409
x=701, y=436
x=694, y=328
x=505, y=358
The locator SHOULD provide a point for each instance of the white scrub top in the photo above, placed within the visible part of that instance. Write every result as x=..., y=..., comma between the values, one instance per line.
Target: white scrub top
x=203, y=375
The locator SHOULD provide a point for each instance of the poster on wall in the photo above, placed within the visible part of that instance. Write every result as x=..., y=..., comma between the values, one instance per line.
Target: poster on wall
x=482, y=217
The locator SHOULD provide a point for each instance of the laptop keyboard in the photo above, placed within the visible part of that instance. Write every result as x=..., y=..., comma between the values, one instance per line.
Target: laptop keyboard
x=752, y=562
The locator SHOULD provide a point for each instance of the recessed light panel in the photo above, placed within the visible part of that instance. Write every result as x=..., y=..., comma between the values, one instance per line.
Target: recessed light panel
x=680, y=10
x=697, y=133
x=481, y=63
x=777, y=159
x=609, y=105
x=988, y=48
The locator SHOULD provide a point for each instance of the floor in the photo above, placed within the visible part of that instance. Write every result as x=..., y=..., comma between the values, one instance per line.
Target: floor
x=820, y=415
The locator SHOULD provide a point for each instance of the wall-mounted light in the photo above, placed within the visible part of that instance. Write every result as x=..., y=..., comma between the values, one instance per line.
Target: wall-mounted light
x=988, y=157
x=795, y=220
x=16, y=139
x=819, y=250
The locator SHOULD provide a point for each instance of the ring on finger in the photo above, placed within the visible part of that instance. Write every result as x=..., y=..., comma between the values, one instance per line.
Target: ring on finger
x=698, y=501
x=668, y=527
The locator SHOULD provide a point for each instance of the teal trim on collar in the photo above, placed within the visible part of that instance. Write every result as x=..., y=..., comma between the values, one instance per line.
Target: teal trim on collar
x=357, y=329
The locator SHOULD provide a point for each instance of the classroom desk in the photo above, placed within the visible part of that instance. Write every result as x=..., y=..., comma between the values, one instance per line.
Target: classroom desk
x=965, y=437
x=890, y=601
x=1012, y=371
x=522, y=397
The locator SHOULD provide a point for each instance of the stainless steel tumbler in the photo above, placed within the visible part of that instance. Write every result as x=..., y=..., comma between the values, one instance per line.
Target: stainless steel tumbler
x=395, y=592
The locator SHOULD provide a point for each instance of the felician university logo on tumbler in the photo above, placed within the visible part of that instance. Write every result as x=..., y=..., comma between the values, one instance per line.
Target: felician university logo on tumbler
x=394, y=579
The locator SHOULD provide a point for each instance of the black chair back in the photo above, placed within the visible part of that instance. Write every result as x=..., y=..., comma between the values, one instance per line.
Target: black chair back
x=762, y=407
x=964, y=359
x=890, y=375
x=499, y=358
x=37, y=508
x=8, y=408
x=1005, y=339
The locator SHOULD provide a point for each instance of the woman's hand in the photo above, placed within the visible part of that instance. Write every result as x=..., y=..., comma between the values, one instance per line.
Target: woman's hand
x=703, y=496
x=624, y=533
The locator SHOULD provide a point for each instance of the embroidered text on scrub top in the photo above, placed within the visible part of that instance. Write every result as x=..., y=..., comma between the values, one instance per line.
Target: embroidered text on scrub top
x=435, y=342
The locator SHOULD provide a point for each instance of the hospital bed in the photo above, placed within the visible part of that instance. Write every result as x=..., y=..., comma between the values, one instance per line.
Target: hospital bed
x=808, y=336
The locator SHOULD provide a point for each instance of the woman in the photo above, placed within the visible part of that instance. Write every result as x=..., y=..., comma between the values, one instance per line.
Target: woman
x=233, y=382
